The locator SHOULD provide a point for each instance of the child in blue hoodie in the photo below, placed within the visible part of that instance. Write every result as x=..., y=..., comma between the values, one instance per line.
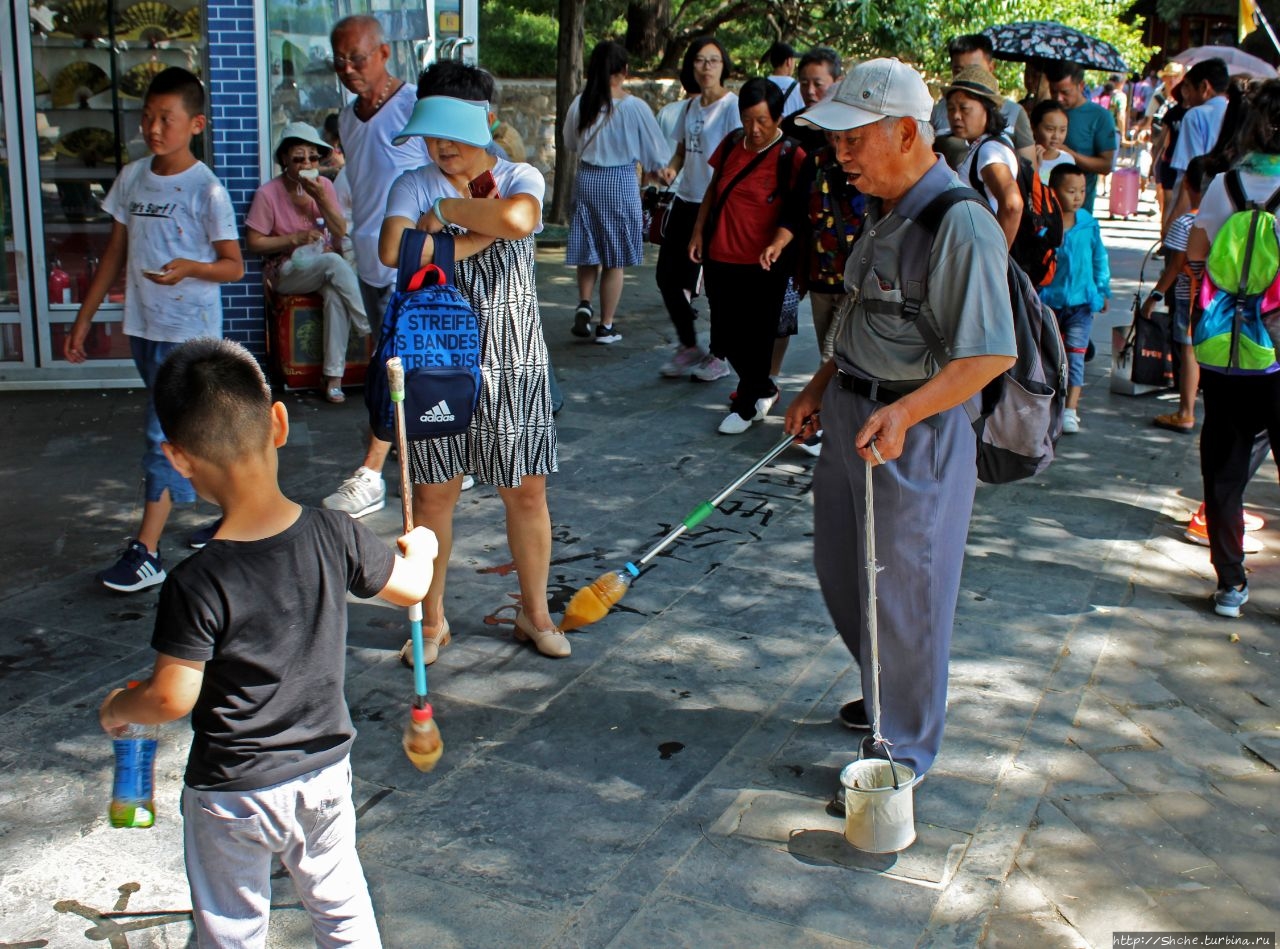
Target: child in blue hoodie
x=1082, y=283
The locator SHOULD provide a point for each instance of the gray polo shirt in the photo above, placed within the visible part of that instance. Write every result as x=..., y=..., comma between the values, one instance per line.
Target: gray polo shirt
x=968, y=295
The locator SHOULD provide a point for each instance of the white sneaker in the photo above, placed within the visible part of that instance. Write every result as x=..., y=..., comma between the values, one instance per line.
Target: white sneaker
x=711, y=368
x=1070, y=421
x=363, y=493
x=734, y=424
x=685, y=359
x=764, y=405
x=468, y=482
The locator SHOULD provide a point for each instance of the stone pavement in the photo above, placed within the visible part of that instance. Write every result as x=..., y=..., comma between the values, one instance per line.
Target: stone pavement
x=1112, y=746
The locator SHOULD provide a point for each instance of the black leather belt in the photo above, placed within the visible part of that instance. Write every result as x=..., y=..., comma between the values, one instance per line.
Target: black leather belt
x=875, y=391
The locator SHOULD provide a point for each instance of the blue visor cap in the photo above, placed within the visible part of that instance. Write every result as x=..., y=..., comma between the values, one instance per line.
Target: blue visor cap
x=454, y=120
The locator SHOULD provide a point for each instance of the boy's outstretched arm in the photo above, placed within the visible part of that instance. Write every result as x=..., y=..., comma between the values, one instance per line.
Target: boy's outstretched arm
x=170, y=693
x=412, y=573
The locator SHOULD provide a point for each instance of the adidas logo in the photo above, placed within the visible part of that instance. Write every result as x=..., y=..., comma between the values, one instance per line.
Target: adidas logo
x=440, y=412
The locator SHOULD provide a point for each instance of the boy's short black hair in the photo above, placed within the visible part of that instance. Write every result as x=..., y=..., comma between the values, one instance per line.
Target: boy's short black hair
x=180, y=82
x=1213, y=71
x=779, y=53
x=448, y=77
x=1062, y=171
x=971, y=43
x=213, y=401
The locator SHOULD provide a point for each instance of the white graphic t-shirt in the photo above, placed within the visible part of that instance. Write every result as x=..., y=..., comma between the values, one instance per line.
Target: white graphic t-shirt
x=171, y=216
x=703, y=130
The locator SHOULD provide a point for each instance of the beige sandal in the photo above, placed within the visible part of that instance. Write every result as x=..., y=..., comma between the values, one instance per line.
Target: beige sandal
x=431, y=646
x=550, y=642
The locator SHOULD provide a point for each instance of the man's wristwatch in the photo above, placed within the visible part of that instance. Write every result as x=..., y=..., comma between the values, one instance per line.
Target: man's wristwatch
x=1156, y=295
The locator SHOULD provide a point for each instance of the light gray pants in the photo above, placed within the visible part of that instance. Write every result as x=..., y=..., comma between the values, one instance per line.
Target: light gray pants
x=230, y=838
x=332, y=277
x=922, y=505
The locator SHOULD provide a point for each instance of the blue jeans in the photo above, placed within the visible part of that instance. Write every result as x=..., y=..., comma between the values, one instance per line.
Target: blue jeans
x=148, y=355
x=1075, y=324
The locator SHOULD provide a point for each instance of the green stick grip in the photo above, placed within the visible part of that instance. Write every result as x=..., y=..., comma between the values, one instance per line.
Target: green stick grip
x=699, y=514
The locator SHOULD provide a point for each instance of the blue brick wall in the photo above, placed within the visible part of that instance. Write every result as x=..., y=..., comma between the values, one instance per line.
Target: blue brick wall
x=232, y=86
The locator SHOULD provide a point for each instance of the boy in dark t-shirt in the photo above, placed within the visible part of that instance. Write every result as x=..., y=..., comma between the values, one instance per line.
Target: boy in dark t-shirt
x=251, y=640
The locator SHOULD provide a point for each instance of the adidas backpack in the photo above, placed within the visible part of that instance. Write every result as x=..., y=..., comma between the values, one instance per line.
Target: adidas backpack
x=1035, y=246
x=431, y=327
x=1241, y=288
x=1020, y=418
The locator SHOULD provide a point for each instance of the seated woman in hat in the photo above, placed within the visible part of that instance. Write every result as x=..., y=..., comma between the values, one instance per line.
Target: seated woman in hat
x=295, y=222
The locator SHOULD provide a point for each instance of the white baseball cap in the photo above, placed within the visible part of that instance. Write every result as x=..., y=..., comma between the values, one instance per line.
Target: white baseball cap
x=874, y=90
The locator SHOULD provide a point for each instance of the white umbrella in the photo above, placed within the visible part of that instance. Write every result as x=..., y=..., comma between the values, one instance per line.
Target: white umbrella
x=1239, y=63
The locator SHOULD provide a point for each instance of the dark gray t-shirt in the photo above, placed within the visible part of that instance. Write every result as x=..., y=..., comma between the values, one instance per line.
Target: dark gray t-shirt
x=968, y=289
x=268, y=618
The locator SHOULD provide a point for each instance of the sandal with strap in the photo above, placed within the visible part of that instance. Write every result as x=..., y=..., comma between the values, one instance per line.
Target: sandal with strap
x=431, y=646
x=550, y=642
x=335, y=395
x=1174, y=422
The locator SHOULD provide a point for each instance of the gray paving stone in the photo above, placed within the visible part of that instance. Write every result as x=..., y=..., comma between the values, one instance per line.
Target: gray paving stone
x=1246, y=849
x=683, y=924
x=1152, y=771
x=1100, y=726
x=1067, y=865
x=1189, y=737
x=1032, y=930
x=1258, y=795
x=785, y=887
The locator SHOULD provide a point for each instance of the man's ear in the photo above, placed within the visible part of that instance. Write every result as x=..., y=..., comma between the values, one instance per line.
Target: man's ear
x=178, y=458
x=279, y=424
x=907, y=131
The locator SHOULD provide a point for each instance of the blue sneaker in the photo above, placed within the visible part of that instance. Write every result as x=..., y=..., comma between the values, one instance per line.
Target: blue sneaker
x=135, y=570
x=1227, y=602
x=201, y=536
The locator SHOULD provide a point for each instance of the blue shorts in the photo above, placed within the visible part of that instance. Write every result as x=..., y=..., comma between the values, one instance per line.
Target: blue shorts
x=1181, y=311
x=148, y=355
x=1075, y=324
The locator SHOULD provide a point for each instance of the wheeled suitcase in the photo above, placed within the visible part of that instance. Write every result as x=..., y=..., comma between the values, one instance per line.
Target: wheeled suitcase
x=1124, y=192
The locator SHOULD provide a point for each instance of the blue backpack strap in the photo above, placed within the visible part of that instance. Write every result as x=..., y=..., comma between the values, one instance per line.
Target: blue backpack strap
x=443, y=255
x=412, y=241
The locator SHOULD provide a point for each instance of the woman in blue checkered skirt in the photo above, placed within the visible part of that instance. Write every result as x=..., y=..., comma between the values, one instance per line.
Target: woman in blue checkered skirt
x=611, y=131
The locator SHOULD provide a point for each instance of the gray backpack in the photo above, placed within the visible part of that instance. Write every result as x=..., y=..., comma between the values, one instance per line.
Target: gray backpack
x=1020, y=418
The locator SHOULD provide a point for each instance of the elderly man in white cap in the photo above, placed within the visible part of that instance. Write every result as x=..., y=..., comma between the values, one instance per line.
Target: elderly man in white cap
x=883, y=399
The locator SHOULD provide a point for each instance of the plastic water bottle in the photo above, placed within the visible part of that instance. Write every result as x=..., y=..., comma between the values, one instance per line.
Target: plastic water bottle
x=422, y=741
x=132, y=795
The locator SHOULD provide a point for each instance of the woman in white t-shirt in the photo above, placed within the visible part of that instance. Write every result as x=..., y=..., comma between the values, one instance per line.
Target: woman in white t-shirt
x=1237, y=405
x=611, y=131
x=707, y=119
x=493, y=208
x=991, y=166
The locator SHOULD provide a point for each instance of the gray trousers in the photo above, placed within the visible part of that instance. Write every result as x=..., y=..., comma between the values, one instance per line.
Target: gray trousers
x=230, y=838
x=332, y=277
x=923, y=501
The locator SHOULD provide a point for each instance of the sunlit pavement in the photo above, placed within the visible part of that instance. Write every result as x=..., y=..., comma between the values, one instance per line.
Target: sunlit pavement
x=1110, y=759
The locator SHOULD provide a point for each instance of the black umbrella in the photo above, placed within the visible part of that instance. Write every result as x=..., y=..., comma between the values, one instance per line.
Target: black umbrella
x=1044, y=39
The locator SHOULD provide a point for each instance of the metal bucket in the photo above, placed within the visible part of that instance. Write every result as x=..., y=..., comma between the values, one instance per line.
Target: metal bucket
x=878, y=818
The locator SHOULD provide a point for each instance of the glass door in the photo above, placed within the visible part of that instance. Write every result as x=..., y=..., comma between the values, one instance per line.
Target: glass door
x=16, y=349
x=90, y=62
x=302, y=85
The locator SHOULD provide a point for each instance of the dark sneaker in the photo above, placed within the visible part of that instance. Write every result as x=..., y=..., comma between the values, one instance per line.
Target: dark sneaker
x=582, y=319
x=607, y=334
x=1228, y=602
x=135, y=570
x=198, y=538
x=853, y=715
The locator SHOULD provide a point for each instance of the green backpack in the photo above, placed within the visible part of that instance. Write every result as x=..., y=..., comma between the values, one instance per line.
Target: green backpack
x=1240, y=290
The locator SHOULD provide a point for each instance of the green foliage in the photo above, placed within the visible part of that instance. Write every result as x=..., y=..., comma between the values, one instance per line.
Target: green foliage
x=518, y=41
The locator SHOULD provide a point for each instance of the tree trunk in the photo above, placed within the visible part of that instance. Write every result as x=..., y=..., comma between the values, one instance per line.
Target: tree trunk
x=647, y=25
x=573, y=15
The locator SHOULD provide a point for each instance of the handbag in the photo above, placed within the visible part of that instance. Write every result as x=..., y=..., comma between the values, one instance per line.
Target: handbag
x=655, y=205
x=1151, y=342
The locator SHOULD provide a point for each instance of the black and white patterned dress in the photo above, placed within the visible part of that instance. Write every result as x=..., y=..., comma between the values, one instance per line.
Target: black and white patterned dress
x=513, y=433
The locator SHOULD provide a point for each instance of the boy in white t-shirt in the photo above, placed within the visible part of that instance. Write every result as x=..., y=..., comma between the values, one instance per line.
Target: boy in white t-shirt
x=174, y=232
